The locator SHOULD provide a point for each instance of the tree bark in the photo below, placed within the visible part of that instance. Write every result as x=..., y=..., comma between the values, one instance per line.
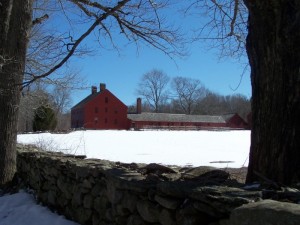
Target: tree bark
x=15, y=24
x=273, y=48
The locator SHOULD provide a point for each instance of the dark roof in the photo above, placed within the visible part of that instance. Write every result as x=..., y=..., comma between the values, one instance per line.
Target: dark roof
x=85, y=100
x=91, y=97
x=228, y=116
x=167, y=117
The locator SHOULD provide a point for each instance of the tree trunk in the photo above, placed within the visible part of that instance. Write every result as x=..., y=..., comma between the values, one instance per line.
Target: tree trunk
x=273, y=48
x=15, y=24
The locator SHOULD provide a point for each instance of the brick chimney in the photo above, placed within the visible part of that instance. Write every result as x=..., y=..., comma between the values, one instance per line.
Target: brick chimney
x=94, y=90
x=138, y=105
x=102, y=87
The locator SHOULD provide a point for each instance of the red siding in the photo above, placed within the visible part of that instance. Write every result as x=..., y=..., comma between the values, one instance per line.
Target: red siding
x=175, y=125
x=104, y=111
x=237, y=122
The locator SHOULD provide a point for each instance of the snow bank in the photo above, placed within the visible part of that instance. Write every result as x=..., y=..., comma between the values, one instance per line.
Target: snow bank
x=21, y=208
x=183, y=148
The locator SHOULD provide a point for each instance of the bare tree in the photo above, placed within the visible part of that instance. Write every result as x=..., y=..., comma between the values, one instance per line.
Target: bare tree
x=238, y=104
x=153, y=87
x=211, y=104
x=188, y=91
x=271, y=37
x=224, y=26
x=135, y=20
x=217, y=104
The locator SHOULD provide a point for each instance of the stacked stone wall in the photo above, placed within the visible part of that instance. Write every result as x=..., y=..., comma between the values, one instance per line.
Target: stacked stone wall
x=100, y=192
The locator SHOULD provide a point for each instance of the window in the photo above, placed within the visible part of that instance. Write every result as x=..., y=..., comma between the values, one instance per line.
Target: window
x=105, y=120
x=106, y=99
x=116, y=121
x=96, y=109
x=106, y=110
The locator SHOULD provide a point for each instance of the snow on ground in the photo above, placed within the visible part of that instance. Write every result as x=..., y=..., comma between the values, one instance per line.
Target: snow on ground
x=193, y=148
x=167, y=147
x=21, y=209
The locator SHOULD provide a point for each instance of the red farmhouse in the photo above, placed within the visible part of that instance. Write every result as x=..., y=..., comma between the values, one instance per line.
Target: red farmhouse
x=103, y=110
x=100, y=110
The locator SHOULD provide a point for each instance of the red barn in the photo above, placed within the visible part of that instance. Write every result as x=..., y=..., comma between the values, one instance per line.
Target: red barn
x=103, y=110
x=100, y=110
x=187, y=122
x=147, y=120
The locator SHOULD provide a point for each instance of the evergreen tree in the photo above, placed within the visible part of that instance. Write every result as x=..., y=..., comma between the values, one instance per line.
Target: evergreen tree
x=44, y=119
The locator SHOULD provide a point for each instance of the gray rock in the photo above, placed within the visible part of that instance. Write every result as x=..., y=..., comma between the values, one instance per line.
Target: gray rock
x=156, y=169
x=190, y=173
x=109, y=215
x=167, y=217
x=77, y=199
x=121, y=211
x=51, y=197
x=62, y=201
x=173, y=189
x=223, y=198
x=136, y=185
x=100, y=205
x=87, y=201
x=135, y=220
x=129, y=202
x=114, y=195
x=121, y=220
x=83, y=215
x=192, y=219
x=81, y=171
x=266, y=212
x=168, y=203
x=97, y=189
x=86, y=184
x=148, y=211
x=209, y=210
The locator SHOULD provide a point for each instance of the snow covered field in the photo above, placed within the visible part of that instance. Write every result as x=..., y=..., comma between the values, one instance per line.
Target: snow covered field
x=193, y=148
x=167, y=147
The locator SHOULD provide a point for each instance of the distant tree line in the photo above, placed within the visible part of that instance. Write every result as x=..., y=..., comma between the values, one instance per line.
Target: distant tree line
x=186, y=95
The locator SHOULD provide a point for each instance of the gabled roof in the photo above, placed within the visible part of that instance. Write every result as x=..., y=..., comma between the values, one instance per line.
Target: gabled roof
x=167, y=117
x=91, y=97
x=228, y=116
x=85, y=100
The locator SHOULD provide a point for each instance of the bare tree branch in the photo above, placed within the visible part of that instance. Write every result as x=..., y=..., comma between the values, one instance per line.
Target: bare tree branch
x=76, y=44
x=137, y=21
x=153, y=88
x=40, y=19
x=225, y=26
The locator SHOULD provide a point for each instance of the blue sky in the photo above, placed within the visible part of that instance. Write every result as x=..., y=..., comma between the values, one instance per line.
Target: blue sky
x=122, y=71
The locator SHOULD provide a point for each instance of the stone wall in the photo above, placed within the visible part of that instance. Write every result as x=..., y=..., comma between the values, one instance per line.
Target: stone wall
x=92, y=191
